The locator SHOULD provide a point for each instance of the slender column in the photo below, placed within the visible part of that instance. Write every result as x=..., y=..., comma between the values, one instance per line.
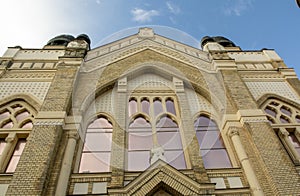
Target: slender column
x=65, y=171
x=243, y=158
x=284, y=135
x=11, y=141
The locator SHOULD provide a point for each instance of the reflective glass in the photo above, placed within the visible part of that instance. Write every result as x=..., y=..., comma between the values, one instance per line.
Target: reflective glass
x=8, y=125
x=169, y=140
x=140, y=122
x=140, y=141
x=4, y=115
x=94, y=162
x=132, y=107
x=270, y=112
x=217, y=158
x=28, y=125
x=2, y=145
x=100, y=122
x=209, y=139
x=16, y=156
x=283, y=119
x=145, y=106
x=294, y=140
x=166, y=122
x=98, y=142
x=12, y=164
x=176, y=159
x=204, y=121
x=138, y=160
x=286, y=111
x=170, y=106
x=22, y=116
x=157, y=107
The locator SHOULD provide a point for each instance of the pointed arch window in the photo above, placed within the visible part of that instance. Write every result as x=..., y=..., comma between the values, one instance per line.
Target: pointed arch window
x=212, y=148
x=96, y=152
x=16, y=119
x=280, y=113
x=154, y=132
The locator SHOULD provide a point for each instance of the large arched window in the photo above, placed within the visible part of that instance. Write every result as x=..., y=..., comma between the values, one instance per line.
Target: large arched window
x=96, y=152
x=15, y=125
x=280, y=113
x=212, y=148
x=153, y=132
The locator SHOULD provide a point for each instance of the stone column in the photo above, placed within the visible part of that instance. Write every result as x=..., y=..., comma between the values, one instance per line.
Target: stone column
x=65, y=171
x=244, y=160
x=11, y=141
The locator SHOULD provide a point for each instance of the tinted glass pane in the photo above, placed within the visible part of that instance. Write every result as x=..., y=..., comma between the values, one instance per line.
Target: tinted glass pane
x=294, y=140
x=140, y=141
x=4, y=115
x=13, y=164
x=145, y=106
x=94, y=162
x=170, y=106
x=270, y=112
x=28, y=125
x=166, y=122
x=157, y=107
x=169, y=140
x=100, y=122
x=204, y=121
x=283, y=119
x=298, y=119
x=176, y=159
x=138, y=160
x=8, y=125
x=217, y=158
x=22, y=116
x=98, y=142
x=286, y=111
x=132, y=107
x=140, y=122
x=20, y=147
x=2, y=145
x=209, y=139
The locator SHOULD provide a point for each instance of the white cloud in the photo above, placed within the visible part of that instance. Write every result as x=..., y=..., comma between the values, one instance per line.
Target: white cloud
x=98, y=2
x=173, y=8
x=141, y=15
x=237, y=7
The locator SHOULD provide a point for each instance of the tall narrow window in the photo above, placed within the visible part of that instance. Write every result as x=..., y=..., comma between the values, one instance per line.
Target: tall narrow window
x=211, y=144
x=170, y=106
x=139, y=145
x=157, y=106
x=145, y=105
x=97, y=147
x=132, y=107
x=169, y=139
x=12, y=165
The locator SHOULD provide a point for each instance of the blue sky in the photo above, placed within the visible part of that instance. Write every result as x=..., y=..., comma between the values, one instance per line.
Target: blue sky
x=250, y=24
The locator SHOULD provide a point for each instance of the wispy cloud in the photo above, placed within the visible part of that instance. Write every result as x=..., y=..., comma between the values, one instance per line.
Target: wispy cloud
x=173, y=8
x=237, y=7
x=141, y=15
x=98, y=2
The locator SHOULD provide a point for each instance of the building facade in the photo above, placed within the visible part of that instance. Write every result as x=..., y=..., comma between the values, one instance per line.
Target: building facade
x=147, y=115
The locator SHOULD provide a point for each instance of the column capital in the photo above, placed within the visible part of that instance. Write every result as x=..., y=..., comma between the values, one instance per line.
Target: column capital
x=233, y=131
x=11, y=137
x=73, y=135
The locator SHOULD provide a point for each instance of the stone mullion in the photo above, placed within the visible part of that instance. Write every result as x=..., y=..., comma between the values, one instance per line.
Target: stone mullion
x=11, y=141
x=37, y=159
x=190, y=140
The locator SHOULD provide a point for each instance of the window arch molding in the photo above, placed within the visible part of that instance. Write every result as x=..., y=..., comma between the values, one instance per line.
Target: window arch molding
x=168, y=115
x=139, y=115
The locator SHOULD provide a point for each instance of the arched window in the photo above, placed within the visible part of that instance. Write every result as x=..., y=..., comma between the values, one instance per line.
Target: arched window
x=280, y=113
x=16, y=119
x=96, y=152
x=158, y=136
x=212, y=148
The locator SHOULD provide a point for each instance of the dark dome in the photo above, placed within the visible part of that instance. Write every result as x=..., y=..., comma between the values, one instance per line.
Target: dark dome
x=223, y=41
x=84, y=37
x=61, y=40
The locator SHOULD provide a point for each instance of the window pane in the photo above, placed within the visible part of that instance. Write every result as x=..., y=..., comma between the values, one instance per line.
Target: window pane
x=145, y=106
x=28, y=125
x=98, y=142
x=8, y=125
x=169, y=140
x=2, y=145
x=140, y=141
x=176, y=159
x=204, y=121
x=286, y=111
x=217, y=158
x=294, y=140
x=20, y=147
x=283, y=119
x=12, y=164
x=140, y=122
x=298, y=119
x=132, y=107
x=94, y=162
x=4, y=115
x=270, y=112
x=166, y=122
x=100, y=122
x=170, y=106
x=22, y=116
x=138, y=160
x=157, y=107
x=209, y=139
